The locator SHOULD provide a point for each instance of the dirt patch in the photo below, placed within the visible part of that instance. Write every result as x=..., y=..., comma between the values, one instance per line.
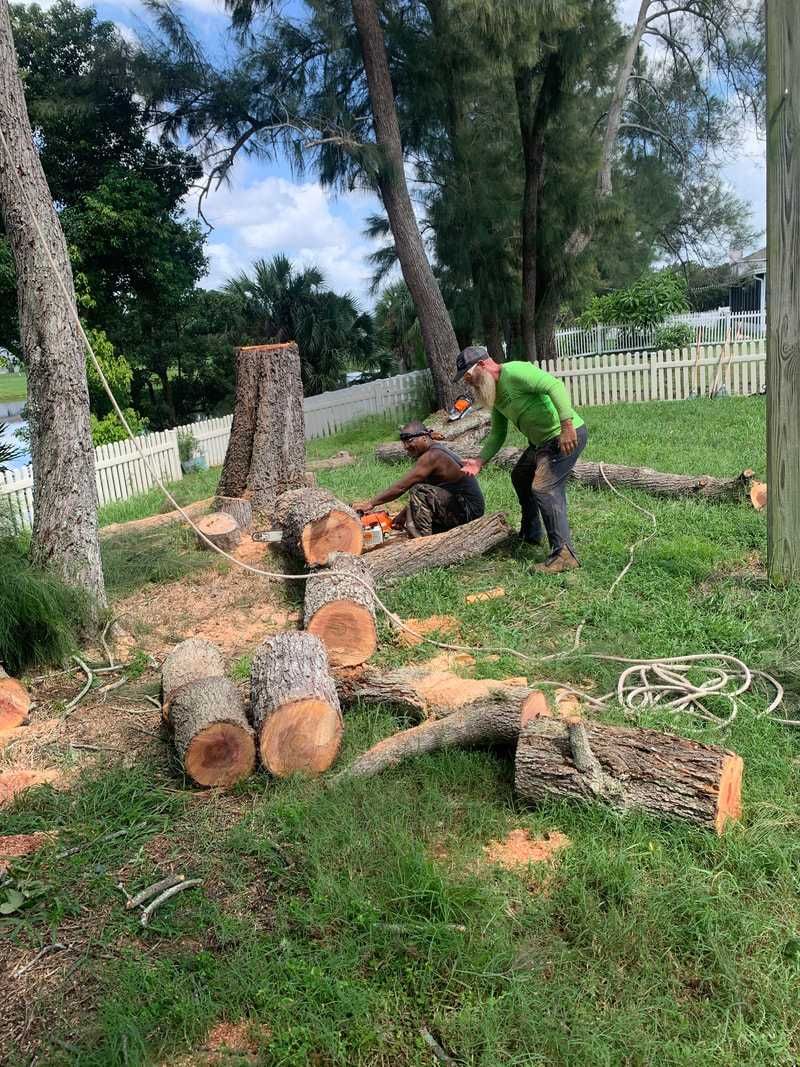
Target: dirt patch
x=14, y=846
x=443, y=624
x=519, y=849
x=225, y=1043
x=750, y=569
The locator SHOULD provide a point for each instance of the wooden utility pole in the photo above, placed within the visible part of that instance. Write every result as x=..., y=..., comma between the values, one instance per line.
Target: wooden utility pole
x=783, y=279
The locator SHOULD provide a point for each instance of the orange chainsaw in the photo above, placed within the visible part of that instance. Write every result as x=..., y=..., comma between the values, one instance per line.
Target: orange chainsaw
x=377, y=525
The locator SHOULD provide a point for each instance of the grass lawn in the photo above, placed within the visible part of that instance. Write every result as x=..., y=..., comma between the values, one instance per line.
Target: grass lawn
x=13, y=387
x=337, y=923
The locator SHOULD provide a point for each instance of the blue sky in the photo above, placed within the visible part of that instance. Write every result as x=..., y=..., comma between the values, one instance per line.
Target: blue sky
x=264, y=209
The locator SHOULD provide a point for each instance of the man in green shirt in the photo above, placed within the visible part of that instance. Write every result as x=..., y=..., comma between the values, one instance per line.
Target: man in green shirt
x=539, y=406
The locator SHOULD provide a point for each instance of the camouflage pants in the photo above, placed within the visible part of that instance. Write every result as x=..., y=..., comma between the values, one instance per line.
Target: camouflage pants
x=432, y=509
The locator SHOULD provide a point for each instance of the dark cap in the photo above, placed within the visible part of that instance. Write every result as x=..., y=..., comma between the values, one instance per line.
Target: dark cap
x=468, y=358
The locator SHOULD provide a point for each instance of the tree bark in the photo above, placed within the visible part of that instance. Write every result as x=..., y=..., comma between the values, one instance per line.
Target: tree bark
x=438, y=336
x=466, y=433
x=212, y=736
x=294, y=705
x=65, y=533
x=702, y=487
x=220, y=529
x=340, y=610
x=315, y=525
x=238, y=508
x=402, y=558
x=266, y=451
x=190, y=661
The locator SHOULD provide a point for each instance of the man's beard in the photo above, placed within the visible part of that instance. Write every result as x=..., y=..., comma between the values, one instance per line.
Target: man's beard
x=485, y=387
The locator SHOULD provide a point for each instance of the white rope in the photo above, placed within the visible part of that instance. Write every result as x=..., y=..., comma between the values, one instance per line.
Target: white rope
x=669, y=675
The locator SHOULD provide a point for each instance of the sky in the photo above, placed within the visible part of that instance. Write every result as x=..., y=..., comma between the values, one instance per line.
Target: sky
x=265, y=209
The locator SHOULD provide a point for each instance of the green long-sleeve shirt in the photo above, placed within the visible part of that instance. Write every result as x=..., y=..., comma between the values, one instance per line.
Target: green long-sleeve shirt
x=536, y=403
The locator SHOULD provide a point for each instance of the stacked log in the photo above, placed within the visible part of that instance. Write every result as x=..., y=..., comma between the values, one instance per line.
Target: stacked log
x=463, y=436
x=220, y=529
x=294, y=705
x=339, y=608
x=190, y=661
x=315, y=525
x=212, y=736
x=403, y=558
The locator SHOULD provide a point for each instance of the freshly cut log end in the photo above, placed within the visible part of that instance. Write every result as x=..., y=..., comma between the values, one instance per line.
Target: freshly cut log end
x=189, y=661
x=339, y=609
x=212, y=736
x=729, y=806
x=294, y=704
x=238, y=508
x=220, y=529
x=15, y=702
x=315, y=525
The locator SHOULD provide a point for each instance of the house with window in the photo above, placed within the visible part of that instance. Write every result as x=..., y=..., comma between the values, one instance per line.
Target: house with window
x=748, y=290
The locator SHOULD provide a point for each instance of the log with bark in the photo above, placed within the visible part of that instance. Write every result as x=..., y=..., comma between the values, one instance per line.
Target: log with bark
x=463, y=436
x=190, y=661
x=341, y=459
x=294, y=705
x=238, y=507
x=220, y=529
x=315, y=525
x=266, y=452
x=15, y=702
x=339, y=608
x=399, y=559
x=212, y=736
x=625, y=768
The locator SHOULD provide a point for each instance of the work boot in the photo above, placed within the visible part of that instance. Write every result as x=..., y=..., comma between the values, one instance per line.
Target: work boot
x=563, y=560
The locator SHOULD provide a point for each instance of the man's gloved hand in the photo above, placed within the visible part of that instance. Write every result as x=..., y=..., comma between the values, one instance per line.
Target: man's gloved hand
x=568, y=438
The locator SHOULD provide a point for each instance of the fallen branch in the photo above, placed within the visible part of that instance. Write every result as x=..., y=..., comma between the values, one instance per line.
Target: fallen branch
x=89, y=680
x=154, y=889
x=55, y=947
x=436, y=1048
x=150, y=910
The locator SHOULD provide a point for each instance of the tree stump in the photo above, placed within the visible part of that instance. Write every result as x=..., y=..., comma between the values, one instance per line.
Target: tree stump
x=190, y=661
x=212, y=737
x=340, y=609
x=294, y=705
x=15, y=702
x=238, y=508
x=315, y=525
x=402, y=558
x=266, y=452
x=220, y=529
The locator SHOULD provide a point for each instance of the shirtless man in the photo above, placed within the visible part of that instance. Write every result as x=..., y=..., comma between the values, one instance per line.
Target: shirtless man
x=440, y=495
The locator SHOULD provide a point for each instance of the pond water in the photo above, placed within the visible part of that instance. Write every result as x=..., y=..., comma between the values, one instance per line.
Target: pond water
x=9, y=434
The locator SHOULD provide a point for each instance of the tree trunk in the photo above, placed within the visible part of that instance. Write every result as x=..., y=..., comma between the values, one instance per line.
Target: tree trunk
x=438, y=336
x=65, y=535
x=402, y=558
x=212, y=736
x=670, y=485
x=315, y=525
x=15, y=702
x=266, y=451
x=238, y=508
x=624, y=768
x=190, y=661
x=220, y=529
x=629, y=770
x=236, y=468
x=340, y=610
x=294, y=705
x=464, y=435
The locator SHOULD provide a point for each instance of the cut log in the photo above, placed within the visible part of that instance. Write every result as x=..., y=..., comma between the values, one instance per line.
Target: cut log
x=402, y=558
x=266, y=451
x=315, y=525
x=628, y=769
x=464, y=436
x=212, y=736
x=190, y=661
x=220, y=529
x=15, y=703
x=703, y=487
x=340, y=609
x=238, y=508
x=294, y=705
x=341, y=459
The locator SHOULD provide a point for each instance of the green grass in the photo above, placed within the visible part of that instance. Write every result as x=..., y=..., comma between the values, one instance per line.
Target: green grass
x=13, y=387
x=325, y=914
x=192, y=487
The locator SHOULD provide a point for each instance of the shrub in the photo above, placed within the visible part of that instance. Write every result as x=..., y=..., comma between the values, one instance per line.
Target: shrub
x=678, y=335
x=109, y=429
x=39, y=615
x=645, y=303
x=187, y=445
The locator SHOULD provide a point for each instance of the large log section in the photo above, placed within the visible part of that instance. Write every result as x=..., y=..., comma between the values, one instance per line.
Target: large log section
x=628, y=769
x=339, y=608
x=189, y=661
x=266, y=453
x=315, y=525
x=294, y=705
x=464, y=435
x=212, y=736
x=402, y=558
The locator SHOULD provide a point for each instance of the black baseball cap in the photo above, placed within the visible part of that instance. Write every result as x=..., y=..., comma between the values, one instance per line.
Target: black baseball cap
x=467, y=358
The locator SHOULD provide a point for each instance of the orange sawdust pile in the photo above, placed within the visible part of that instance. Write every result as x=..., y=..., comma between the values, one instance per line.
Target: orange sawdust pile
x=519, y=849
x=443, y=624
x=15, y=781
x=14, y=846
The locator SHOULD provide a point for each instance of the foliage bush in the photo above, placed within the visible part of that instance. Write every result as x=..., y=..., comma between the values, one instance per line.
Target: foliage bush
x=109, y=429
x=644, y=304
x=39, y=615
x=677, y=335
x=187, y=445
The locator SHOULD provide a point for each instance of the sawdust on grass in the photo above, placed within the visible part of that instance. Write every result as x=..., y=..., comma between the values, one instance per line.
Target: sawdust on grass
x=519, y=849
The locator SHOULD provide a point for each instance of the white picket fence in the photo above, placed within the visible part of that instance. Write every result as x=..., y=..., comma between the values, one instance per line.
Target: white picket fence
x=121, y=473
x=711, y=327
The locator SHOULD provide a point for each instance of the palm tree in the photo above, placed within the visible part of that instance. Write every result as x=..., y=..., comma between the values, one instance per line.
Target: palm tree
x=8, y=452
